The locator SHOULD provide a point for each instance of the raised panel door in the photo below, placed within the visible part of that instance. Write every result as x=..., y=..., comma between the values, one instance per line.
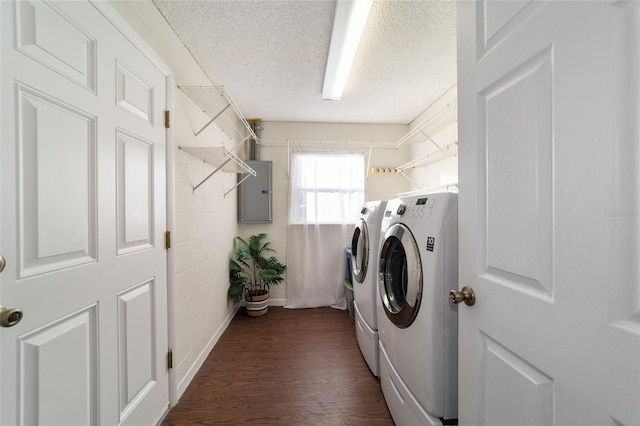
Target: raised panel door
x=548, y=212
x=82, y=172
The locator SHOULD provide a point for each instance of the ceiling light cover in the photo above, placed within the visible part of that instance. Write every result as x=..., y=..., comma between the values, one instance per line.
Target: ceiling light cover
x=348, y=25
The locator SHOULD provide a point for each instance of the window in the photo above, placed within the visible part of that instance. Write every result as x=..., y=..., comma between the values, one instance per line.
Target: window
x=326, y=187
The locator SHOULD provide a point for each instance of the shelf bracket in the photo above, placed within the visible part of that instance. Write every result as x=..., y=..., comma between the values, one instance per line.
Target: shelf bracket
x=409, y=179
x=432, y=141
x=213, y=119
x=211, y=174
x=218, y=157
x=241, y=142
x=237, y=184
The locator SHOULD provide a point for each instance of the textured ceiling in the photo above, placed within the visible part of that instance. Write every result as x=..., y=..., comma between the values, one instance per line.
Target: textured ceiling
x=270, y=56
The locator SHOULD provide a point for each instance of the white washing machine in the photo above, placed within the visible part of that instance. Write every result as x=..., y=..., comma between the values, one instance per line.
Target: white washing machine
x=364, y=261
x=417, y=324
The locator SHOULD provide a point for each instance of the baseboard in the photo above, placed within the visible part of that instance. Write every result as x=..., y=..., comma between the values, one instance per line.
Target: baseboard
x=162, y=415
x=277, y=302
x=186, y=381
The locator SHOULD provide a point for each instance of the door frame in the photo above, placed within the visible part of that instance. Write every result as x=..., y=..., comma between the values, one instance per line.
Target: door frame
x=114, y=17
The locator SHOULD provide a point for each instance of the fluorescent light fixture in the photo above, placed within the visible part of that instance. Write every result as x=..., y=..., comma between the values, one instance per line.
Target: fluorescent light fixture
x=348, y=26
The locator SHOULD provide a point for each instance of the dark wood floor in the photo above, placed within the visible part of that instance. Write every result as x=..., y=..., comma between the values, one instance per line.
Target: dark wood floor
x=290, y=367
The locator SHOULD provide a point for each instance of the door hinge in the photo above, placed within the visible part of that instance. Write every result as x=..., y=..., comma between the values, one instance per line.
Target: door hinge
x=167, y=240
x=170, y=359
x=167, y=119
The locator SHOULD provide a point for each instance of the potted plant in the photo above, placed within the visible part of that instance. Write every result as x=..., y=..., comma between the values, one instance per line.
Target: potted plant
x=252, y=272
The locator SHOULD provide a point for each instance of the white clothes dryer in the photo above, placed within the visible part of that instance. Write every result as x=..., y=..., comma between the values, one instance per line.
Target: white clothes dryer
x=418, y=325
x=364, y=261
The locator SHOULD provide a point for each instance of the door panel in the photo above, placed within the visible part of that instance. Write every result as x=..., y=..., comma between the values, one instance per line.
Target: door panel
x=135, y=193
x=64, y=352
x=82, y=178
x=51, y=38
x=513, y=389
x=56, y=185
x=522, y=166
x=549, y=178
x=497, y=19
x=138, y=349
x=134, y=94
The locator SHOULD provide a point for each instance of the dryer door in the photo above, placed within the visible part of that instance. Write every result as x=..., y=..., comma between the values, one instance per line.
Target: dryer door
x=400, y=276
x=360, y=251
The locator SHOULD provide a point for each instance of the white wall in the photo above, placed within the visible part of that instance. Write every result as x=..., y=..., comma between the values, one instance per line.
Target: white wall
x=444, y=171
x=205, y=221
x=309, y=136
x=205, y=228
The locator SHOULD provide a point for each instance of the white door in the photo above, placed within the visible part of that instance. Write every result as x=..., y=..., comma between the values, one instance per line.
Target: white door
x=549, y=186
x=83, y=214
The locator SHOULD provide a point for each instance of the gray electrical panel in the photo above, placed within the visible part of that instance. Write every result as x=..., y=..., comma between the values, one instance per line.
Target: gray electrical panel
x=255, y=194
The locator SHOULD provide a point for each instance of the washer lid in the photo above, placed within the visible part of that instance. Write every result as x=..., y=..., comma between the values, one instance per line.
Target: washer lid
x=360, y=251
x=400, y=275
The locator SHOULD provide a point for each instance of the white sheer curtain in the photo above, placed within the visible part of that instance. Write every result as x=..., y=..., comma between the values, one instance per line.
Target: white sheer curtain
x=326, y=192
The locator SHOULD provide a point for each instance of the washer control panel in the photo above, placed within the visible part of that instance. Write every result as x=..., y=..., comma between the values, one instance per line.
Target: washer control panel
x=421, y=207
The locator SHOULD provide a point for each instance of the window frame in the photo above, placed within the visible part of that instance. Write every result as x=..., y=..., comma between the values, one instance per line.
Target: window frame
x=300, y=215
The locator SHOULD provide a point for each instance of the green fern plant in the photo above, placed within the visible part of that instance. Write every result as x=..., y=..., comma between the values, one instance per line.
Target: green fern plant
x=251, y=270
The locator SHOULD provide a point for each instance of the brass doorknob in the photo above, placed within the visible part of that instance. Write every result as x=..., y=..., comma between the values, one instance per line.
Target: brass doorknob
x=9, y=317
x=466, y=295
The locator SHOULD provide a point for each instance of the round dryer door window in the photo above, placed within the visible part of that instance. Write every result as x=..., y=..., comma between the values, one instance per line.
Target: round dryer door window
x=360, y=251
x=400, y=276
